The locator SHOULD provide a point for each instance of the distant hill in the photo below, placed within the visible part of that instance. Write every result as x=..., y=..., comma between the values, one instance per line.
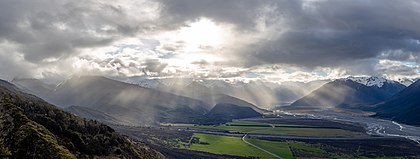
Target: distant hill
x=351, y=92
x=263, y=94
x=224, y=112
x=34, y=86
x=210, y=97
x=33, y=128
x=216, y=91
x=403, y=107
x=129, y=103
x=222, y=98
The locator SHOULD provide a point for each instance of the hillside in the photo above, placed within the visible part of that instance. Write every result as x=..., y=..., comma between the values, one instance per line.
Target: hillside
x=351, y=92
x=212, y=92
x=403, y=107
x=20, y=137
x=33, y=128
x=224, y=112
x=222, y=98
x=132, y=104
x=94, y=115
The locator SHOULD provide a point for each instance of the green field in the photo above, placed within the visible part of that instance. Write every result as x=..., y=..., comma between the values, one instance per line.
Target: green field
x=279, y=148
x=235, y=146
x=278, y=129
x=219, y=144
x=305, y=147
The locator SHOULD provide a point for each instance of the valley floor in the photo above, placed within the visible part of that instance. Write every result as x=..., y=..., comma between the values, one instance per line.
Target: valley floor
x=272, y=138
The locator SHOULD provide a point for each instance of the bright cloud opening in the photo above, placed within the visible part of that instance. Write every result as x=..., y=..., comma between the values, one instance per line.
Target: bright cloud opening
x=201, y=34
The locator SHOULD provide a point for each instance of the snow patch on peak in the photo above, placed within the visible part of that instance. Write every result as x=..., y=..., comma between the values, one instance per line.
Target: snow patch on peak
x=407, y=81
x=370, y=81
x=214, y=83
x=147, y=83
x=140, y=81
x=175, y=82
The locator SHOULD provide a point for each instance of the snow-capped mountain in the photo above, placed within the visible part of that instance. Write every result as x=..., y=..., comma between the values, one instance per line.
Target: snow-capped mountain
x=213, y=83
x=351, y=92
x=407, y=81
x=179, y=82
x=370, y=81
x=175, y=82
x=140, y=81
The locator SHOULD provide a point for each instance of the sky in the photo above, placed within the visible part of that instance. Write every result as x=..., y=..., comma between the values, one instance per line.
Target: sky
x=274, y=40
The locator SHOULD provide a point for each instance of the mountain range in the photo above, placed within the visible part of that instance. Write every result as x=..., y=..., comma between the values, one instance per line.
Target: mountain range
x=130, y=103
x=191, y=101
x=116, y=102
x=351, y=92
x=260, y=93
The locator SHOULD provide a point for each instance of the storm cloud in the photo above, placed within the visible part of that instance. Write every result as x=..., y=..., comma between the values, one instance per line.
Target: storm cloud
x=381, y=37
x=331, y=31
x=56, y=29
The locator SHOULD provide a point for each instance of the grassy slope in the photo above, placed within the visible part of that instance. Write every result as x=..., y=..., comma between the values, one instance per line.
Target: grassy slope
x=306, y=147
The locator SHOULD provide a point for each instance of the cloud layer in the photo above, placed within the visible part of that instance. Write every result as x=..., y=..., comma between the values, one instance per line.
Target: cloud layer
x=263, y=39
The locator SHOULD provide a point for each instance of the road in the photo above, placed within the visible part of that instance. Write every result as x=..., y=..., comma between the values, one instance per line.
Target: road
x=272, y=154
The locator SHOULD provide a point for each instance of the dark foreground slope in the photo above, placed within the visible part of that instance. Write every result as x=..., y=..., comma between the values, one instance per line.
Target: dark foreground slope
x=20, y=137
x=32, y=128
x=404, y=107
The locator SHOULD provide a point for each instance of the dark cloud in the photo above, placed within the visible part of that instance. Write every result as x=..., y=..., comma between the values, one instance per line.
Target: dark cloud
x=400, y=55
x=352, y=35
x=56, y=29
x=126, y=66
x=312, y=33
x=11, y=65
x=154, y=65
x=337, y=31
x=242, y=13
x=318, y=48
x=395, y=68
